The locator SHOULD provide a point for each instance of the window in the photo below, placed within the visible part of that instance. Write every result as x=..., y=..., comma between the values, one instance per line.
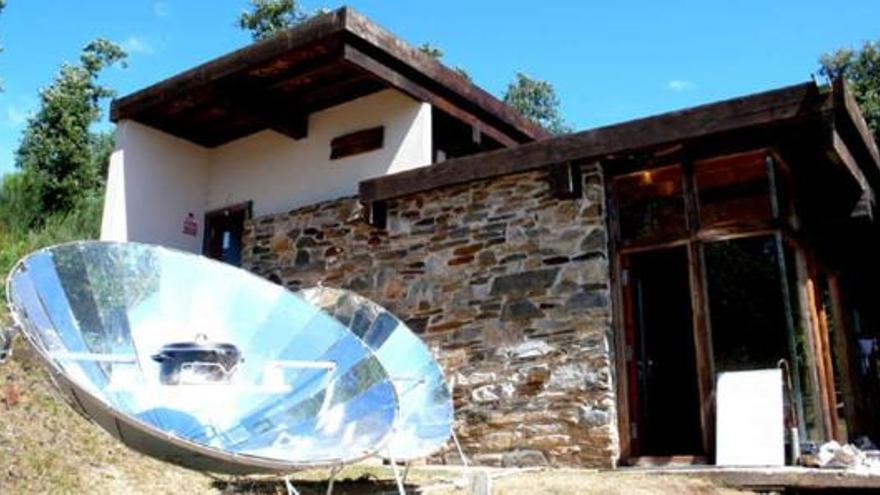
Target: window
x=733, y=190
x=746, y=305
x=651, y=205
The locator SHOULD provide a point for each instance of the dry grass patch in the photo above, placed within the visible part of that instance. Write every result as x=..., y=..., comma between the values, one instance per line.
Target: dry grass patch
x=564, y=482
x=45, y=447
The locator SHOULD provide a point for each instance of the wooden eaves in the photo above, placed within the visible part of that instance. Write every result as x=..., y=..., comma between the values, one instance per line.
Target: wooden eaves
x=325, y=61
x=835, y=112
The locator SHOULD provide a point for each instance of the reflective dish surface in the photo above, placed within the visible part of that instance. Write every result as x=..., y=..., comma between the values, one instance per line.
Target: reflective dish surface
x=208, y=366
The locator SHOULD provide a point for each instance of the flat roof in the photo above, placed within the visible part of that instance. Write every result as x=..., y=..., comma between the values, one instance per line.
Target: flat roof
x=829, y=112
x=327, y=60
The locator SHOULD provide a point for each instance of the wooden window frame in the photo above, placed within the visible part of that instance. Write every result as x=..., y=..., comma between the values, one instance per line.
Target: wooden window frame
x=784, y=227
x=358, y=142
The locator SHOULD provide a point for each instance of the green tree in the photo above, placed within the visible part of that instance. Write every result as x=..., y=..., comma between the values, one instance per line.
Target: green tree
x=267, y=17
x=861, y=69
x=536, y=100
x=436, y=53
x=64, y=161
x=2, y=6
x=431, y=50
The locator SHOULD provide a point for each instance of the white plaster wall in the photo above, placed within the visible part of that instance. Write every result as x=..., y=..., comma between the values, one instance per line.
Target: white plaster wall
x=279, y=173
x=154, y=181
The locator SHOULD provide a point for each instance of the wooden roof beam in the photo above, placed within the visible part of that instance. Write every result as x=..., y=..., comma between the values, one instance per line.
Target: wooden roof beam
x=850, y=123
x=404, y=84
x=280, y=116
x=772, y=108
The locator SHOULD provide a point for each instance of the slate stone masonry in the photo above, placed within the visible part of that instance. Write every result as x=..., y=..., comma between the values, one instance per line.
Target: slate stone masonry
x=508, y=285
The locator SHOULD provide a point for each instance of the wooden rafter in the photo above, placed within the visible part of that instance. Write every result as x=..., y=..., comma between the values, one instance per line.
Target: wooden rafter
x=312, y=67
x=404, y=84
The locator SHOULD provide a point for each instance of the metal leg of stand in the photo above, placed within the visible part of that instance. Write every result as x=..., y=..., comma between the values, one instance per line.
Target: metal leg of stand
x=333, y=472
x=397, y=477
x=290, y=489
x=406, y=471
x=464, y=460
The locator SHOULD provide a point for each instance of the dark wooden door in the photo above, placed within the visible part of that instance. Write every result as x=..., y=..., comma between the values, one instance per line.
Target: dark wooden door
x=664, y=392
x=223, y=233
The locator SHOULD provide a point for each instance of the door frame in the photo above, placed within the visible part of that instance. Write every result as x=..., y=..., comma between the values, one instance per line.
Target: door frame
x=693, y=241
x=631, y=339
x=246, y=206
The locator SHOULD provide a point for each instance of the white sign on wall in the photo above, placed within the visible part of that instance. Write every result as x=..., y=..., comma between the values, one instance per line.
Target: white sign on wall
x=190, y=225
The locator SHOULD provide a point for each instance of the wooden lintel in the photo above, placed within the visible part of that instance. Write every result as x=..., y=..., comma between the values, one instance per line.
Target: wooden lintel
x=786, y=106
x=404, y=84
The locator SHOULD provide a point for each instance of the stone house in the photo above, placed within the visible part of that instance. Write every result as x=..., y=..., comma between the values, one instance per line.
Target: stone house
x=582, y=291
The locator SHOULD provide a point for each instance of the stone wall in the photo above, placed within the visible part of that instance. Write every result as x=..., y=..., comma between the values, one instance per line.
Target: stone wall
x=507, y=284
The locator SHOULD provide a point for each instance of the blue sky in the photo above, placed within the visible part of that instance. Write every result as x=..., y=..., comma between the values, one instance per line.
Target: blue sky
x=609, y=60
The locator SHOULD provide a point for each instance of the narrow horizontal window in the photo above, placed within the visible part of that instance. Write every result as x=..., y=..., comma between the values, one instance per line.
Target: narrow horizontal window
x=357, y=142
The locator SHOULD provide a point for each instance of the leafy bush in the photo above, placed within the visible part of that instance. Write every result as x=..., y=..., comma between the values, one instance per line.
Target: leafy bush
x=82, y=222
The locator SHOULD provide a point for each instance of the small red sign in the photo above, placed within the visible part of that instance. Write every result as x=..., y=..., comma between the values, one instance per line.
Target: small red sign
x=190, y=225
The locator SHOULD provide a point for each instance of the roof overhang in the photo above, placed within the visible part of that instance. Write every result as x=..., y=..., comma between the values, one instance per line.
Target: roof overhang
x=826, y=123
x=330, y=59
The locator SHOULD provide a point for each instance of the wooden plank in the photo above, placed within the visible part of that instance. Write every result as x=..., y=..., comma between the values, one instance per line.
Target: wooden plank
x=406, y=85
x=669, y=460
x=430, y=68
x=828, y=365
x=357, y=142
x=808, y=325
x=775, y=479
x=819, y=359
x=843, y=351
x=779, y=107
x=842, y=156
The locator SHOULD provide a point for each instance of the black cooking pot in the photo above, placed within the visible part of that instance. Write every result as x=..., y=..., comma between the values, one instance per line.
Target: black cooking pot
x=205, y=362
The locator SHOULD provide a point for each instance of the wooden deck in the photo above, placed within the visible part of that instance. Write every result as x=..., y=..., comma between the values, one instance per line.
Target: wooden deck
x=775, y=478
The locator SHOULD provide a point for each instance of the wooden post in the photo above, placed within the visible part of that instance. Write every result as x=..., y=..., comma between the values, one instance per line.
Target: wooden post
x=843, y=350
x=699, y=309
x=828, y=365
x=804, y=286
x=621, y=324
x=817, y=343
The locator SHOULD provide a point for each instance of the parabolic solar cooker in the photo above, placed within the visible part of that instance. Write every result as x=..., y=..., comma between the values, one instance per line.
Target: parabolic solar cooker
x=210, y=367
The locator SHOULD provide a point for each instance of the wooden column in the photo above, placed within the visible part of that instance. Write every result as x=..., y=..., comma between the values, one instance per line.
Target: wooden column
x=699, y=310
x=809, y=325
x=844, y=351
x=622, y=328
